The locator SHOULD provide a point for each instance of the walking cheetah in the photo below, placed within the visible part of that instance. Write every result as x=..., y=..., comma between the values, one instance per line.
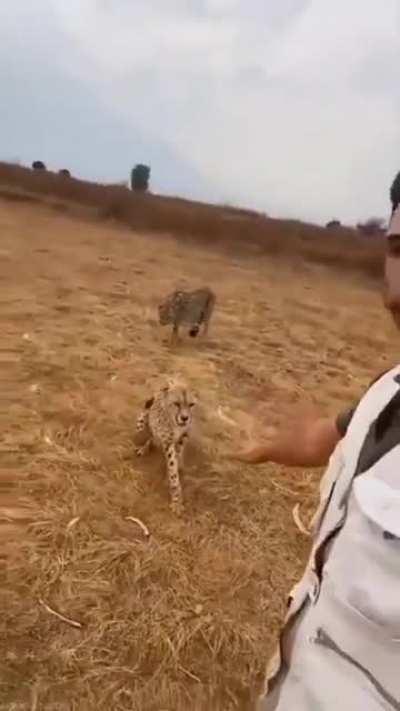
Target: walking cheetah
x=187, y=307
x=166, y=421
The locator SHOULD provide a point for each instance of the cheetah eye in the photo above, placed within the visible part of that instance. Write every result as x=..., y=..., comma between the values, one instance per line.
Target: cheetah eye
x=177, y=404
x=192, y=404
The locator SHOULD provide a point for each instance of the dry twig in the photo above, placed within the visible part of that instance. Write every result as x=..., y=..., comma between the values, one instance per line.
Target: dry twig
x=140, y=524
x=296, y=518
x=73, y=522
x=285, y=490
x=67, y=620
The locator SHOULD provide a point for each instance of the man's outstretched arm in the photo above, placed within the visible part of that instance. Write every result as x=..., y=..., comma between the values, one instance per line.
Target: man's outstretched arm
x=306, y=442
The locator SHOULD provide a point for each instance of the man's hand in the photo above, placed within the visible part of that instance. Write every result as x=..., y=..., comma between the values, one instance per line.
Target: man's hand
x=304, y=439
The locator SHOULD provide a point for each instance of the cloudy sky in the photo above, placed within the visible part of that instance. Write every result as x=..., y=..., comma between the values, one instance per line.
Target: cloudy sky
x=289, y=106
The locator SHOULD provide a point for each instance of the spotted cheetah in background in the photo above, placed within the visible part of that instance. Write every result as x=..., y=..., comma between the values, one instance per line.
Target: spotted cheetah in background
x=193, y=308
x=166, y=422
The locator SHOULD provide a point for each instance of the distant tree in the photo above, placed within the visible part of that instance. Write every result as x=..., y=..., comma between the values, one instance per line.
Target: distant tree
x=372, y=227
x=65, y=172
x=395, y=192
x=140, y=176
x=38, y=165
x=333, y=225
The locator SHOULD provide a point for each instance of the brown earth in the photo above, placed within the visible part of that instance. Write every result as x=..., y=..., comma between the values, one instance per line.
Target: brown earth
x=186, y=619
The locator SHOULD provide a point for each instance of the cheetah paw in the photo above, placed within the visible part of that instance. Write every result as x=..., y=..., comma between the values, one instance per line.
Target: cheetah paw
x=177, y=508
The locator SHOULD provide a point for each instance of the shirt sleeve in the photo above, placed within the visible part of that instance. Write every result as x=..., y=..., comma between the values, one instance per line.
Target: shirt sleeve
x=344, y=418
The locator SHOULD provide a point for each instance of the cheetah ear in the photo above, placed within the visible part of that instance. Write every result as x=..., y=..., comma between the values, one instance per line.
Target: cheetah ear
x=149, y=403
x=167, y=385
x=172, y=381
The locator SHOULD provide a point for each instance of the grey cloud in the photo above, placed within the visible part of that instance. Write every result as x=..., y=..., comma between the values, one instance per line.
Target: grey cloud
x=289, y=107
x=49, y=113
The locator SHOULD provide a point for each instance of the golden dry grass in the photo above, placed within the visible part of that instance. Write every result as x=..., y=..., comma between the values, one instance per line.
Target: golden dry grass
x=185, y=620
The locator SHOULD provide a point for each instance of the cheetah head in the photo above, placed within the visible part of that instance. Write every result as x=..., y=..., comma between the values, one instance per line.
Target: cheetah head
x=181, y=402
x=168, y=307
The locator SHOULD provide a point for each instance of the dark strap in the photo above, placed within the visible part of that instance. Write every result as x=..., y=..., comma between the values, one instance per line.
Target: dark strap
x=344, y=418
x=383, y=435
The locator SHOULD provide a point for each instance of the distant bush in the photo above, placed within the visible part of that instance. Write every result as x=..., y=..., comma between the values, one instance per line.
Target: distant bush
x=38, y=165
x=395, y=192
x=65, y=172
x=372, y=227
x=140, y=176
x=333, y=225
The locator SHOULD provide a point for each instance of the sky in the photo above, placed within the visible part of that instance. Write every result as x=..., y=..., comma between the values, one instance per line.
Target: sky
x=291, y=107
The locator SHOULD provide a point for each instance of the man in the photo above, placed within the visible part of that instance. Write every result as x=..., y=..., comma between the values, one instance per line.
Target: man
x=395, y=193
x=340, y=646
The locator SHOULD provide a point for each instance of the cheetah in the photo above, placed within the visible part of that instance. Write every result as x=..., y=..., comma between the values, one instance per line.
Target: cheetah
x=187, y=307
x=166, y=421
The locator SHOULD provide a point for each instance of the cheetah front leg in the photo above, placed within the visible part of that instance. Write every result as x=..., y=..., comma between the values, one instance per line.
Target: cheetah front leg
x=175, y=334
x=180, y=449
x=142, y=422
x=143, y=434
x=175, y=490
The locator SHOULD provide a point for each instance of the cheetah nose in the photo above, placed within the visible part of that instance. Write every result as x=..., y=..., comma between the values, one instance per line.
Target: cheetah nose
x=184, y=418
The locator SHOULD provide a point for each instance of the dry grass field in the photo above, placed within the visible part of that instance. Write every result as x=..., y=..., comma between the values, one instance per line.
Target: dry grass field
x=183, y=621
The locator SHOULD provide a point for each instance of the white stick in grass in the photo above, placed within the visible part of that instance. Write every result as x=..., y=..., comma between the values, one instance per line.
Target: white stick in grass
x=73, y=522
x=140, y=524
x=67, y=620
x=296, y=518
